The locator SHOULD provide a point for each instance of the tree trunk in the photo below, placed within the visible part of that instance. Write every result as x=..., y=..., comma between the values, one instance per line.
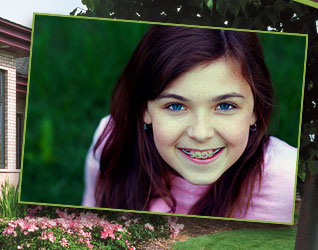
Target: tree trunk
x=300, y=187
x=307, y=230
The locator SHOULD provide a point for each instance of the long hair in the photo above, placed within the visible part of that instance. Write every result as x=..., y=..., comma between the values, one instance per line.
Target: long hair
x=131, y=170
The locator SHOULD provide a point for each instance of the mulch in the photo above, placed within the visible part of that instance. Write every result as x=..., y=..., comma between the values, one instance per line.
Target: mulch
x=194, y=227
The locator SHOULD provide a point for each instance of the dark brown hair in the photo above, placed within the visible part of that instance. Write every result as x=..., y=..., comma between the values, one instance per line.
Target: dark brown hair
x=131, y=169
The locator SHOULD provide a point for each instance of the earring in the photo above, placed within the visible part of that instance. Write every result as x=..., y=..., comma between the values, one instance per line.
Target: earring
x=253, y=128
x=147, y=126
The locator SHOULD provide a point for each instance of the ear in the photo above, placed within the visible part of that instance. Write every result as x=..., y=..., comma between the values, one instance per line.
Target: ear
x=253, y=119
x=147, y=117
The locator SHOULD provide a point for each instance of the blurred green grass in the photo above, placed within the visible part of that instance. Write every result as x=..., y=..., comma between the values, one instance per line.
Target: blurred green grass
x=260, y=239
x=75, y=64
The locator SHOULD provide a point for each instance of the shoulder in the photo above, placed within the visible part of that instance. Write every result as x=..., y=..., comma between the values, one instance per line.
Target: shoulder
x=275, y=200
x=279, y=157
x=92, y=164
x=103, y=124
x=100, y=128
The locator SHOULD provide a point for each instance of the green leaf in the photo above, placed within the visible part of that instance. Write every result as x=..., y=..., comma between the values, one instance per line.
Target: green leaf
x=72, y=13
x=280, y=5
x=234, y=7
x=89, y=4
x=126, y=1
x=257, y=3
x=221, y=6
x=301, y=169
x=310, y=85
x=313, y=166
x=9, y=206
x=258, y=24
x=209, y=4
x=299, y=9
x=243, y=4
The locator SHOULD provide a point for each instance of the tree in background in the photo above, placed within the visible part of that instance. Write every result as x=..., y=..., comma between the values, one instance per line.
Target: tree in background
x=276, y=15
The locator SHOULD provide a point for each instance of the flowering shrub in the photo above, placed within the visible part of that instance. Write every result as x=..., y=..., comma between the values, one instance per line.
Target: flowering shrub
x=75, y=229
x=174, y=227
x=143, y=227
x=86, y=231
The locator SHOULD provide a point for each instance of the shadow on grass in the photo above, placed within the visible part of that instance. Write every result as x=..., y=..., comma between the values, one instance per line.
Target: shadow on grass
x=242, y=239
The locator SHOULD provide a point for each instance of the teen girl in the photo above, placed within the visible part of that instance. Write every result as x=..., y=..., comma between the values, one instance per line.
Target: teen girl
x=187, y=131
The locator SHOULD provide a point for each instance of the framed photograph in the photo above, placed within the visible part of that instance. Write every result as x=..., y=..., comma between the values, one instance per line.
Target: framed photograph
x=163, y=118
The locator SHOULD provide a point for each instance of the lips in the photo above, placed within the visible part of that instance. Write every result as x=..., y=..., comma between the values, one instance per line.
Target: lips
x=201, y=154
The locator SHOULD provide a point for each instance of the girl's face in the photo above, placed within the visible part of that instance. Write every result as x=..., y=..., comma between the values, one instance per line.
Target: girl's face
x=201, y=121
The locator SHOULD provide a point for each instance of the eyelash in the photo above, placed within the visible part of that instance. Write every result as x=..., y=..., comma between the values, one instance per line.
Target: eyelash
x=231, y=106
x=170, y=105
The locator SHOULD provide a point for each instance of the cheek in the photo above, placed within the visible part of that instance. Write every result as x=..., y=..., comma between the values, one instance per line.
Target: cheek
x=236, y=133
x=166, y=133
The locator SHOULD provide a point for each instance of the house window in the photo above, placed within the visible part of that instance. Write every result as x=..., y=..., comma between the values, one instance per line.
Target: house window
x=2, y=119
x=19, y=139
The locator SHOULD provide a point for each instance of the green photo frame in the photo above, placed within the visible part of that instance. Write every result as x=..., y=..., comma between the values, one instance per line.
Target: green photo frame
x=75, y=64
x=312, y=3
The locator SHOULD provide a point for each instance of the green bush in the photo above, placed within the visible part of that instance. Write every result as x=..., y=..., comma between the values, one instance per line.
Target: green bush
x=9, y=207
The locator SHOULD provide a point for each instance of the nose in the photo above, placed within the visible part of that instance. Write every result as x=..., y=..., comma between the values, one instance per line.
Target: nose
x=201, y=128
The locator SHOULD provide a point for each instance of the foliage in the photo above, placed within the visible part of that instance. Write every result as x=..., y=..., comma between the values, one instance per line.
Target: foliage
x=247, y=14
x=9, y=207
x=75, y=229
x=242, y=239
x=309, y=157
x=83, y=232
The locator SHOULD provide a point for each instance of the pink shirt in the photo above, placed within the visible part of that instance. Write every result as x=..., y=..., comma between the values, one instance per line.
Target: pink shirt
x=273, y=203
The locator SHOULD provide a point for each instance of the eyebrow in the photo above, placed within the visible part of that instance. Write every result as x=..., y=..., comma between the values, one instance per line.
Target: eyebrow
x=214, y=99
x=174, y=96
x=227, y=96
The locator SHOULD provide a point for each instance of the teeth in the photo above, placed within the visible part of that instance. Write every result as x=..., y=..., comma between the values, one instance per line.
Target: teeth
x=197, y=155
x=201, y=155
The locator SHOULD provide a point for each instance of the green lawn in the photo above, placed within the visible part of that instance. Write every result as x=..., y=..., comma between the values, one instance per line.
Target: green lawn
x=242, y=239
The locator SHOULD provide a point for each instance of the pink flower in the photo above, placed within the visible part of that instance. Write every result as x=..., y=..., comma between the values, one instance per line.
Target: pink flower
x=51, y=223
x=9, y=230
x=123, y=217
x=107, y=233
x=43, y=236
x=51, y=237
x=149, y=226
x=64, y=242
x=129, y=247
x=127, y=223
x=90, y=246
x=174, y=229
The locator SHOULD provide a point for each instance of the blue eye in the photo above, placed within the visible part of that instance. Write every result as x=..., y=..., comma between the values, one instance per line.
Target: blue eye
x=176, y=107
x=225, y=106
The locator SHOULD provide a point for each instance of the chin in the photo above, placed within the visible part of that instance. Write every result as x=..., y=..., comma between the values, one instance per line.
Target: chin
x=200, y=182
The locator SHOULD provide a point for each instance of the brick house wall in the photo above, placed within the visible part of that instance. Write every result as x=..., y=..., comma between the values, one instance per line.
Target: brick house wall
x=8, y=66
x=15, y=41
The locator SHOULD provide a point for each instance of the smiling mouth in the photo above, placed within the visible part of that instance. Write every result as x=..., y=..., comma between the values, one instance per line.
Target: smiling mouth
x=201, y=154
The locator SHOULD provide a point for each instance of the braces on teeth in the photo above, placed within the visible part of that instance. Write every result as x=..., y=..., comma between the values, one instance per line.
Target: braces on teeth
x=201, y=155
